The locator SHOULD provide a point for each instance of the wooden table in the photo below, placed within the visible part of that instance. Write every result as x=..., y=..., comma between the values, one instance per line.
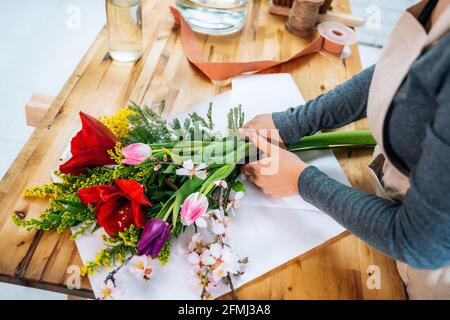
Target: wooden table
x=99, y=86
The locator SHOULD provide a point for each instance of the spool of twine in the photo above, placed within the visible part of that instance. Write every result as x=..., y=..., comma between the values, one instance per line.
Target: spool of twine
x=303, y=17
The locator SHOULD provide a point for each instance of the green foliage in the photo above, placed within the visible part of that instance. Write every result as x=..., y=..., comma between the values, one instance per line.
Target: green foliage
x=164, y=254
x=61, y=214
x=121, y=247
x=84, y=227
x=128, y=237
x=147, y=126
x=108, y=258
x=209, y=117
x=235, y=118
x=349, y=139
x=143, y=174
x=220, y=174
x=66, y=209
x=237, y=186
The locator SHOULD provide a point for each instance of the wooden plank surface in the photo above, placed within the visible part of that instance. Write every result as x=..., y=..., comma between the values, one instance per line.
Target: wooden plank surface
x=99, y=86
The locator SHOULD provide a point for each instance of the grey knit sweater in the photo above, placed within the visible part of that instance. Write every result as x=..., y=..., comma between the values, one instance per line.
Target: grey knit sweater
x=417, y=135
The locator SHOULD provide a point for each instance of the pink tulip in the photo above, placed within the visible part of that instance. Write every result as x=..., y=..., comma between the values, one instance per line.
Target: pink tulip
x=136, y=153
x=194, y=207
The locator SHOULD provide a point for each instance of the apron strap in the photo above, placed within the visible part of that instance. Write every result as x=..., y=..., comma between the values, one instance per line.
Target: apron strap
x=426, y=12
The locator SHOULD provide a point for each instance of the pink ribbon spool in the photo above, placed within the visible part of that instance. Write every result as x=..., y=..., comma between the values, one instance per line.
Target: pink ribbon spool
x=335, y=36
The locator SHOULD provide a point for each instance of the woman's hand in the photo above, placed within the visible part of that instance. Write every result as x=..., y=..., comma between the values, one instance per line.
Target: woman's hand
x=277, y=174
x=263, y=125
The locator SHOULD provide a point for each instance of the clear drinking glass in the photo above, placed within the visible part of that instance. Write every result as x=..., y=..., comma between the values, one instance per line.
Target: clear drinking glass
x=124, y=21
x=214, y=17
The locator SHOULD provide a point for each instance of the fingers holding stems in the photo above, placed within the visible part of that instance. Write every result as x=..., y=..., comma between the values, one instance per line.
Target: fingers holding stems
x=263, y=125
x=277, y=173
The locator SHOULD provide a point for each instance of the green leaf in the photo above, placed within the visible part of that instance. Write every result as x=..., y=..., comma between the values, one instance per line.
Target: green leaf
x=147, y=126
x=238, y=186
x=355, y=138
x=170, y=169
x=220, y=174
x=166, y=207
x=209, y=116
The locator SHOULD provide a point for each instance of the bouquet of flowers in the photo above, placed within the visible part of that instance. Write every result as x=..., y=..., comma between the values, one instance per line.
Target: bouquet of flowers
x=145, y=180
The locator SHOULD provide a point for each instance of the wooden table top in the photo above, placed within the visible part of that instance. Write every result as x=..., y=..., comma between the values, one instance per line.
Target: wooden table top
x=99, y=86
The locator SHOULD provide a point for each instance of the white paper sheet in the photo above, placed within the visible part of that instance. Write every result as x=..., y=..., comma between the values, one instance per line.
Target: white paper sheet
x=269, y=232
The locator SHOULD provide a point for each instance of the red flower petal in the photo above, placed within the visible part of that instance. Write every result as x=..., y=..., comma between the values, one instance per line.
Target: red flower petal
x=85, y=159
x=138, y=214
x=117, y=206
x=92, y=195
x=93, y=134
x=90, y=146
x=89, y=195
x=115, y=214
x=107, y=192
x=134, y=191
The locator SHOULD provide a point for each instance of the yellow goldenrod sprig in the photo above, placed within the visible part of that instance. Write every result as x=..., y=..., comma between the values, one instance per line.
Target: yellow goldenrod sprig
x=116, y=154
x=164, y=254
x=102, y=259
x=107, y=258
x=118, y=123
x=44, y=191
x=129, y=237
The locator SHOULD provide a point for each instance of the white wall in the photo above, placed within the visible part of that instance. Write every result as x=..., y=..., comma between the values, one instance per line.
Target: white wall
x=39, y=48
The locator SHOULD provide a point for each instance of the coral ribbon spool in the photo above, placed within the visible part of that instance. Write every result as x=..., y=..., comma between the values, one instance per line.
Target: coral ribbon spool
x=335, y=36
x=220, y=73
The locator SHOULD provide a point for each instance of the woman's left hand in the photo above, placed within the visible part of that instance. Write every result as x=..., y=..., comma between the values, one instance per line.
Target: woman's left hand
x=277, y=174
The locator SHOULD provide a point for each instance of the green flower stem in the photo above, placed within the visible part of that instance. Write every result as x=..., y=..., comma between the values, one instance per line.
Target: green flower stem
x=169, y=211
x=357, y=138
x=166, y=209
x=212, y=150
x=180, y=144
x=220, y=174
x=240, y=152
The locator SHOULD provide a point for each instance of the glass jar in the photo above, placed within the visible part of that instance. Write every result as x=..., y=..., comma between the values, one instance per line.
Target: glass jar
x=124, y=23
x=214, y=17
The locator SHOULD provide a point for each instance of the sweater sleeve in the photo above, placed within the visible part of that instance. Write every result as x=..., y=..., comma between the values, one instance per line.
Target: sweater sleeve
x=416, y=231
x=336, y=108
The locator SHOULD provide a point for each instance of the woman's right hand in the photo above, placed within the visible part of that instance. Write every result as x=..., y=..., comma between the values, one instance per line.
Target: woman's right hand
x=263, y=125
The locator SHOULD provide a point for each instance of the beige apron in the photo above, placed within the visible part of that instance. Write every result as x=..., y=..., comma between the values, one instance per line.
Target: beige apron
x=404, y=46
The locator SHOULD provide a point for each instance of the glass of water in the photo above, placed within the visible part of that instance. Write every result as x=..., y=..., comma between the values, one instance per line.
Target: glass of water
x=124, y=22
x=214, y=17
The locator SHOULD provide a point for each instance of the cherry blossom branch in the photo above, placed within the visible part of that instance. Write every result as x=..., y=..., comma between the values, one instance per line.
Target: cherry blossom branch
x=110, y=276
x=233, y=291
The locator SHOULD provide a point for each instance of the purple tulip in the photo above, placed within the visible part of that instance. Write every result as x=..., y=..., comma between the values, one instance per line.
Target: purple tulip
x=154, y=237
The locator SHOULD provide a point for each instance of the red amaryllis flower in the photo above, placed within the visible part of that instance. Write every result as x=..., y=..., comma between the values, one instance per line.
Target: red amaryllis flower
x=117, y=206
x=90, y=146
